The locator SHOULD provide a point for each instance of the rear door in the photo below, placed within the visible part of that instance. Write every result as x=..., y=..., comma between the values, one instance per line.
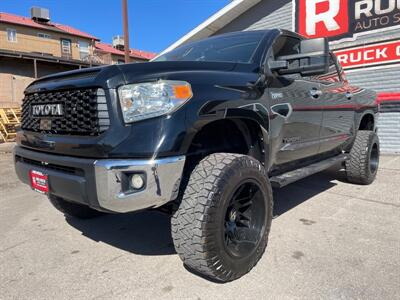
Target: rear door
x=339, y=109
x=295, y=110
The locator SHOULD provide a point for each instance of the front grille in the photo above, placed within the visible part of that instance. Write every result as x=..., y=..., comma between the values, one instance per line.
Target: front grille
x=84, y=112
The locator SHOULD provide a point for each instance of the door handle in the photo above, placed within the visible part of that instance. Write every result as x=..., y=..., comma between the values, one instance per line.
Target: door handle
x=349, y=95
x=315, y=93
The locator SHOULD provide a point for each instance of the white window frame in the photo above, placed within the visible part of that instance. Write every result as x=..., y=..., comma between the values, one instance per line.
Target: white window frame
x=44, y=35
x=63, y=47
x=9, y=30
x=84, y=52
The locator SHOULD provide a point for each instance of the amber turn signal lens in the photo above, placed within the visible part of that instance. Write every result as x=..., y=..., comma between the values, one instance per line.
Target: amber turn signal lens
x=182, y=92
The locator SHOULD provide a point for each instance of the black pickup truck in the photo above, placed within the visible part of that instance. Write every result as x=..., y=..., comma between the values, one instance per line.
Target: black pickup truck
x=204, y=131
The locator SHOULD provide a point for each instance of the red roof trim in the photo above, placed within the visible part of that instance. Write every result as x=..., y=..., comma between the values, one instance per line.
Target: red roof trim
x=133, y=53
x=24, y=21
x=141, y=53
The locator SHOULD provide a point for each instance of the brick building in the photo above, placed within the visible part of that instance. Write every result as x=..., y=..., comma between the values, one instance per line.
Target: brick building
x=34, y=47
x=114, y=54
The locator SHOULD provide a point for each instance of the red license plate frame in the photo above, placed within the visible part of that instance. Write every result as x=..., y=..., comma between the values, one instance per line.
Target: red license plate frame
x=39, y=181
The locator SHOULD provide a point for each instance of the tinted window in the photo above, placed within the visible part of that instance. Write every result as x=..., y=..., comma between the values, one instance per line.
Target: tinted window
x=332, y=76
x=286, y=45
x=230, y=48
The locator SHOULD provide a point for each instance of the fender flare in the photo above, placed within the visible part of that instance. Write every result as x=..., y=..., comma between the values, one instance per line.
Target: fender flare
x=255, y=113
x=363, y=114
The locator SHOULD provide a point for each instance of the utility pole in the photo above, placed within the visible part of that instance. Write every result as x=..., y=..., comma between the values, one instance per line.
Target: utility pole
x=126, y=30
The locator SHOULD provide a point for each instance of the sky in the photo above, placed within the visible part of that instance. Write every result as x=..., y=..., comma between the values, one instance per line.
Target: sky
x=153, y=24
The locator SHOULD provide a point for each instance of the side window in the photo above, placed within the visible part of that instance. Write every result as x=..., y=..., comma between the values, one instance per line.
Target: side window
x=286, y=45
x=342, y=75
x=333, y=76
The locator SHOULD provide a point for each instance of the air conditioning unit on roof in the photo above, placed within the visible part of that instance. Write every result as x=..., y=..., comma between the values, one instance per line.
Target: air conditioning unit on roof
x=118, y=42
x=40, y=14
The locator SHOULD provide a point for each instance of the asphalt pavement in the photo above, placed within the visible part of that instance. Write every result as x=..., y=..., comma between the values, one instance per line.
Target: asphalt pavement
x=329, y=240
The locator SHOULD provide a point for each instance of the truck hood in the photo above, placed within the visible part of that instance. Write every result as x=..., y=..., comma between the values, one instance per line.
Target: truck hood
x=108, y=77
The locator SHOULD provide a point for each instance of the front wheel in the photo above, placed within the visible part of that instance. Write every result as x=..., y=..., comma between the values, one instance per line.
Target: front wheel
x=363, y=164
x=221, y=227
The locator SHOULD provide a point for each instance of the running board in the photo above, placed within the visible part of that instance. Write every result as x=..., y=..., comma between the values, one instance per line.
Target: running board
x=292, y=176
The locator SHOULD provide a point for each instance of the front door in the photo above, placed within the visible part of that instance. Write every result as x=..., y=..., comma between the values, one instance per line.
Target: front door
x=295, y=110
x=66, y=51
x=339, y=107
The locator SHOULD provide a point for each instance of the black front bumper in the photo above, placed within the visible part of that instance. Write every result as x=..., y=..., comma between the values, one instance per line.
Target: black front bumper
x=70, y=178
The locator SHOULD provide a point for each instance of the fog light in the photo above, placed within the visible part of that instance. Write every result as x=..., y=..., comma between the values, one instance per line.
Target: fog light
x=137, y=181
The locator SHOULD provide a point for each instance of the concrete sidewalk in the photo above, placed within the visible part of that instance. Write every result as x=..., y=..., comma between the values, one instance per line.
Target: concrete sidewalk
x=6, y=147
x=329, y=240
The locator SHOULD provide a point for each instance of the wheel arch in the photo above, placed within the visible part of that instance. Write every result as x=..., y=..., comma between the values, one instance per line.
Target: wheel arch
x=367, y=121
x=240, y=135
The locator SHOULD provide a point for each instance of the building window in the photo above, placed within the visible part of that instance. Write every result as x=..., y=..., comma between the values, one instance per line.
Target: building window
x=11, y=35
x=66, y=48
x=84, y=52
x=44, y=35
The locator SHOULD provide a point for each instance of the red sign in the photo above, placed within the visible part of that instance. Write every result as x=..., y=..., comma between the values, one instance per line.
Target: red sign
x=344, y=19
x=375, y=54
x=39, y=181
x=322, y=18
x=388, y=97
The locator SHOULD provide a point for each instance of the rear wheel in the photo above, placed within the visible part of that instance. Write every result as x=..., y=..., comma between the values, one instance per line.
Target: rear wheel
x=74, y=209
x=221, y=227
x=363, y=164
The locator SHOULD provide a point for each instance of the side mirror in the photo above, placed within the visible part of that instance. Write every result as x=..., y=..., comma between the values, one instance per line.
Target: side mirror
x=312, y=60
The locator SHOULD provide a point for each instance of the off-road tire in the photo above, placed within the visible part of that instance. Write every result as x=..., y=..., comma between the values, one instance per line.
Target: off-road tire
x=73, y=209
x=196, y=225
x=362, y=166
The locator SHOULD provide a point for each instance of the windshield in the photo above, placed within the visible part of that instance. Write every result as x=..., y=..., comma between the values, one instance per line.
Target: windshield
x=238, y=48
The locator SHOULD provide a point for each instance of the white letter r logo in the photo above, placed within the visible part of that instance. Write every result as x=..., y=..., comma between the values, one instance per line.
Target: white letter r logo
x=328, y=17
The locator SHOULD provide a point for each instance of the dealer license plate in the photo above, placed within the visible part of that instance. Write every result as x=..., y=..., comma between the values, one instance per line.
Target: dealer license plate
x=39, y=181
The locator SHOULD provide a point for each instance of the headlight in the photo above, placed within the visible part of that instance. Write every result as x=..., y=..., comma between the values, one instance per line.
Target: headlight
x=152, y=99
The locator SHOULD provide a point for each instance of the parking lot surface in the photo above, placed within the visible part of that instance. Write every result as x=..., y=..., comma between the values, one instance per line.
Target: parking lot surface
x=329, y=239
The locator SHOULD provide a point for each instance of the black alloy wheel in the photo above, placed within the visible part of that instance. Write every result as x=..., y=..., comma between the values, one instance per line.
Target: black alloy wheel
x=244, y=220
x=374, y=158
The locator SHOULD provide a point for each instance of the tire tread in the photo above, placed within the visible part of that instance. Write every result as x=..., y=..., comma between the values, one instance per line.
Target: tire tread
x=192, y=242
x=357, y=167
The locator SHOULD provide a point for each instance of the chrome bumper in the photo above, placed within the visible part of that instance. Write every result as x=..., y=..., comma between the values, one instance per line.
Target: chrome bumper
x=102, y=184
x=163, y=177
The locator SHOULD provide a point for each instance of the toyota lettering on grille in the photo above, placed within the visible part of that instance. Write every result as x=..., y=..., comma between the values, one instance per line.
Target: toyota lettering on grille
x=48, y=110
